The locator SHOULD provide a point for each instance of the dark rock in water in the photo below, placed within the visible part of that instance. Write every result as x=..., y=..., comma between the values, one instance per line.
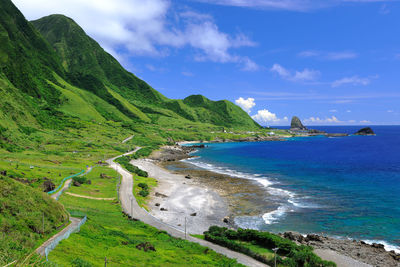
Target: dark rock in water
x=378, y=246
x=365, y=131
x=297, y=125
x=198, y=146
x=314, y=131
x=48, y=186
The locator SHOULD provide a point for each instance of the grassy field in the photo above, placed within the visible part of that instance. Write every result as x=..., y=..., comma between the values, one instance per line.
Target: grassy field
x=108, y=233
x=103, y=183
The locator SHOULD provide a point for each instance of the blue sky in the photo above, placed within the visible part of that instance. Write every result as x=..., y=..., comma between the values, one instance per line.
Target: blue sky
x=328, y=62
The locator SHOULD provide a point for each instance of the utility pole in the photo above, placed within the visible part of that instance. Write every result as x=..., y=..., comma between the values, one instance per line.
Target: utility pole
x=185, y=227
x=275, y=250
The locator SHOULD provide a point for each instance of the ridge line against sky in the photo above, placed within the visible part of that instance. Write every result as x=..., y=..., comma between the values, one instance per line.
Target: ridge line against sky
x=331, y=48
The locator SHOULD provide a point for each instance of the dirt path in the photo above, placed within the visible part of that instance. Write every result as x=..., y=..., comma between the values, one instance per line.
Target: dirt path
x=131, y=207
x=88, y=197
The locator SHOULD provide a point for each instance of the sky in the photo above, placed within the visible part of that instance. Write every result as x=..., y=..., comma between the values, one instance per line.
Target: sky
x=329, y=62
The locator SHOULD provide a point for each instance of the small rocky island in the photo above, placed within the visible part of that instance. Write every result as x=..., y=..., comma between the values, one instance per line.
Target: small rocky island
x=365, y=131
x=297, y=127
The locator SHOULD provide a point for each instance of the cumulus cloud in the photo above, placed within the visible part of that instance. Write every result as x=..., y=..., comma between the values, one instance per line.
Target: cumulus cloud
x=354, y=80
x=327, y=120
x=145, y=27
x=245, y=104
x=305, y=75
x=264, y=117
x=365, y=121
x=328, y=55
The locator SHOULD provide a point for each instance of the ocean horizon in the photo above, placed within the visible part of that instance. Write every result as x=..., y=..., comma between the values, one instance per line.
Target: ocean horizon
x=345, y=187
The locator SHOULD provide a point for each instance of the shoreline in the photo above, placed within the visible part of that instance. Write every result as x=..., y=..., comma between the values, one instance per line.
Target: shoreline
x=347, y=252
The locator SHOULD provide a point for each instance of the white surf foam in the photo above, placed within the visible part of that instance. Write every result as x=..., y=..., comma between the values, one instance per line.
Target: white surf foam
x=273, y=216
x=223, y=170
x=388, y=247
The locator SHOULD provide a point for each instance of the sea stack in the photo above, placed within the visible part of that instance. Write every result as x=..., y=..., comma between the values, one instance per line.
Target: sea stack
x=365, y=131
x=296, y=125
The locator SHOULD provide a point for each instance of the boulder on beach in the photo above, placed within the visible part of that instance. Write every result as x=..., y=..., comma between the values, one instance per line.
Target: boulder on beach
x=365, y=131
x=297, y=125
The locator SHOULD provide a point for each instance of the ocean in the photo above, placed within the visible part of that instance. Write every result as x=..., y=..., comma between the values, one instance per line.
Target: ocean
x=346, y=187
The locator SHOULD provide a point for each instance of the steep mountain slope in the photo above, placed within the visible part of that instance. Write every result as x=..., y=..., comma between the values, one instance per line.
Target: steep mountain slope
x=221, y=112
x=88, y=66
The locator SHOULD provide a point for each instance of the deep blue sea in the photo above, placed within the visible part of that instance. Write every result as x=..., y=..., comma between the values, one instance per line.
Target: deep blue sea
x=343, y=187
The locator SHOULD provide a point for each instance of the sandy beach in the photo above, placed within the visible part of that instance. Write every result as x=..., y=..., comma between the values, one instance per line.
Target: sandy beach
x=177, y=198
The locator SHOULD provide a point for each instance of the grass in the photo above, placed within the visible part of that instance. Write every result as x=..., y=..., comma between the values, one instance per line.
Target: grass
x=151, y=182
x=108, y=233
x=100, y=187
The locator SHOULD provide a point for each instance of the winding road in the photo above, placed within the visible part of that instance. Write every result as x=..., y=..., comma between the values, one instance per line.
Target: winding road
x=131, y=207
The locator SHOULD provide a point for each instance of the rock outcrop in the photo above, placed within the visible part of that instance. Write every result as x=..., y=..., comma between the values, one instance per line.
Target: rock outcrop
x=296, y=124
x=365, y=131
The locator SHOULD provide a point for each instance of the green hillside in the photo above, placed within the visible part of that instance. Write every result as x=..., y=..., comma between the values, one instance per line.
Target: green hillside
x=89, y=67
x=27, y=218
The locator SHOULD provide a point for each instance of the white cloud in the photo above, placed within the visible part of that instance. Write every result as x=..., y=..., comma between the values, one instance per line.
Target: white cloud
x=328, y=55
x=354, y=80
x=245, y=104
x=348, y=111
x=390, y=111
x=298, y=76
x=333, y=110
x=365, y=121
x=327, y=120
x=264, y=117
x=144, y=27
x=293, y=5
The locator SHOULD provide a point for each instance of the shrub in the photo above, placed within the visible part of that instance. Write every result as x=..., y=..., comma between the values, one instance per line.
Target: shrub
x=80, y=179
x=295, y=255
x=144, y=193
x=143, y=186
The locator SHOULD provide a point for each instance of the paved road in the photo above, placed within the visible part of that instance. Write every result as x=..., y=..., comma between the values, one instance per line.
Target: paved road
x=131, y=207
x=74, y=222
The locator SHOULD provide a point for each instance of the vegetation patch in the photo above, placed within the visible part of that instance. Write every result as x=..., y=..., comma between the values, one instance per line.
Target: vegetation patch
x=252, y=243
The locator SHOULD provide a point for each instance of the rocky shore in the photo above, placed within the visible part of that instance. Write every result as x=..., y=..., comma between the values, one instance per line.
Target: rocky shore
x=245, y=197
x=372, y=254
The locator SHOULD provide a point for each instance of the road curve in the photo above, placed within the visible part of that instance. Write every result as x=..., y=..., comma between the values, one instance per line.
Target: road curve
x=131, y=207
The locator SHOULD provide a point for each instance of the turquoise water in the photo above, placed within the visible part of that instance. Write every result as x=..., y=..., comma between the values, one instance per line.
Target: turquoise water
x=343, y=187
